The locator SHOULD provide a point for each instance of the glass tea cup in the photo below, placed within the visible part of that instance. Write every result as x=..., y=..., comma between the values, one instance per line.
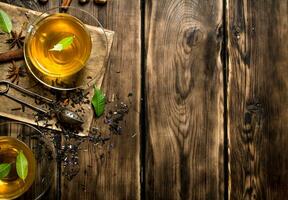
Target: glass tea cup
x=40, y=154
x=70, y=67
x=12, y=186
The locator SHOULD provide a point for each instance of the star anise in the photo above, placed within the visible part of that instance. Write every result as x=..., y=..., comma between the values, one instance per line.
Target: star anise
x=17, y=39
x=14, y=72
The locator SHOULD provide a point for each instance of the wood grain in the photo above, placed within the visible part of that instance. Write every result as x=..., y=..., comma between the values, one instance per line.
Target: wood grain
x=113, y=172
x=257, y=99
x=184, y=157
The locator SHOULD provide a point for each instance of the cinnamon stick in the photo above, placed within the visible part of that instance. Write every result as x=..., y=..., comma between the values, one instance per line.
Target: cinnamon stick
x=17, y=54
x=66, y=3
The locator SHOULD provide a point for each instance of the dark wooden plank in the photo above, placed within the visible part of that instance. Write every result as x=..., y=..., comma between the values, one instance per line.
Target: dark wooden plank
x=257, y=99
x=184, y=158
x=114, y=173
x=34, y=5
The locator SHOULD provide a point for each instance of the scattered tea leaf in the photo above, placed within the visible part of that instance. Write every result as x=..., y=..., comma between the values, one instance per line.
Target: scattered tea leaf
x=63, y=44
x=5, y=22
x=21, y=165
x=98, y=102
x=4, y=170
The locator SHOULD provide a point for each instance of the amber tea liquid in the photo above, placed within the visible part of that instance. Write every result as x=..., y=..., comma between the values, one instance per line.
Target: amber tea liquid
x=49, y=31
x=12, y=186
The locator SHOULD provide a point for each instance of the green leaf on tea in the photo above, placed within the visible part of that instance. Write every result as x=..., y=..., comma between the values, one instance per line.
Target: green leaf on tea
x=98, y=102
x=4, y=170
x=63, y=44
x=21, y=165
x=5, y=22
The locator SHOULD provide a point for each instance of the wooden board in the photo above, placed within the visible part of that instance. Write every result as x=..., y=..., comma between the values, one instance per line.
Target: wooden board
x=96, y=68
x=114, y=171
x=257, y=99
x=184, y=87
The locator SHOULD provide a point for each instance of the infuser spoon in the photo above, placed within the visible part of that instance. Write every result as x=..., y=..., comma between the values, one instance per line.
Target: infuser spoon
x=64, y=115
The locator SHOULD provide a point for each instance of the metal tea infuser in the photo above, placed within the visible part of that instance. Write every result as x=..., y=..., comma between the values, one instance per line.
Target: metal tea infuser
x=64, y=115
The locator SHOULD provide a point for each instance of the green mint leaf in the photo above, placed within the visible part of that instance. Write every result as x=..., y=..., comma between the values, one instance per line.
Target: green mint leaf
x=21, y=165
x=5, y=22
x=98, y=102
x=4, y=170
x=63, y=44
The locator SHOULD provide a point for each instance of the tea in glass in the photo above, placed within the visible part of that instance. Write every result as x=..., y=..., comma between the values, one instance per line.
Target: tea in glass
x=12, y=186
x=48, y=32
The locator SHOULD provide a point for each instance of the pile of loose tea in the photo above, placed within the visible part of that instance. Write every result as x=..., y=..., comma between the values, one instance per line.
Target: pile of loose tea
x=68, y=146
x=114, y=117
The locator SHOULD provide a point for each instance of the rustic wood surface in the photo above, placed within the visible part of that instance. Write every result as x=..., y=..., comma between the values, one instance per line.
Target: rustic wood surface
x=184, y=100
x=257, y=99
x=115, y=171
x=208, y=111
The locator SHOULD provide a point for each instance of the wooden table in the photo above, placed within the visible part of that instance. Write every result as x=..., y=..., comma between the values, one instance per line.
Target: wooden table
x=210, y=101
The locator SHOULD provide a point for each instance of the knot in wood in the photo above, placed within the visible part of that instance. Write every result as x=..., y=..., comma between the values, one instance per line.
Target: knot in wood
x=192, y=36
x=252, y=119
x=247, y=127
x=255, y=108
x=236, y=30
